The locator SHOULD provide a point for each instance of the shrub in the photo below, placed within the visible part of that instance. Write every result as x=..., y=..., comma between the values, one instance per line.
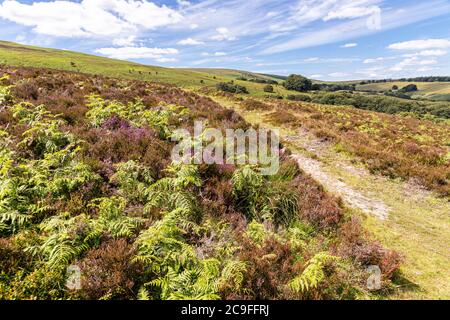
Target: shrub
x=355, y=244
x=268, y=88
x=231, y=88
x=297, y=83
x=110, y=272
x=299, y=97
x=252, y=104
x=270, y=265
x=409, y=88
x=315, y=205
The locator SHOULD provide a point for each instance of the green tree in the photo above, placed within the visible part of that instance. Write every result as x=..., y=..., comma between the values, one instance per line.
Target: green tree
x=297, y=83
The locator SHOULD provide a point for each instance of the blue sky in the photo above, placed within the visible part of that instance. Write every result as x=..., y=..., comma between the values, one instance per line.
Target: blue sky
x=322, y=39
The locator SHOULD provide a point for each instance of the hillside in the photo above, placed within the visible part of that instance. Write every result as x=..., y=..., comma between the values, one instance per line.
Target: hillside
x=427, y=90
x=377, y=164
x=23, y=55
x=88, y=183
x=87, y=179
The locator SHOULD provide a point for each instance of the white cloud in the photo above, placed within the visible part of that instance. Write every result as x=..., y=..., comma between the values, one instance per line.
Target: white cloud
x=125, y=42
x=136, y=52
x=379, y=59
x=349, y=45
x=427, y=53
x=367, y=61
x=313, y=59
x=183, y=3
x=316, y=76
x=89, y=17
x=391, y=18
x=193, y=26
x=432, y=53
x=412, y=62
x=427, y=69
x=338, y=74
x=220, y=54
x=162, y=60
x=223, y=34
x=352, y=12
x=190, y=42
x=421, y=44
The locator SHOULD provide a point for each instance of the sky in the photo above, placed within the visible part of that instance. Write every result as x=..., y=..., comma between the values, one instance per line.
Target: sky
x=321, y=39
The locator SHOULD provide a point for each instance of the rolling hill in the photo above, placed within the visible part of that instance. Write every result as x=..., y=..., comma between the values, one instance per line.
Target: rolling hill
x=30, y=56
x=427, y=90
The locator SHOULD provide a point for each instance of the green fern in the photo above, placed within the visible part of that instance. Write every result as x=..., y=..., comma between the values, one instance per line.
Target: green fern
x=5, y=93
x=313, y=274
x=263, y=199
x=136, y=113
x=112, y=218
x=172, y=193
x=133, y=180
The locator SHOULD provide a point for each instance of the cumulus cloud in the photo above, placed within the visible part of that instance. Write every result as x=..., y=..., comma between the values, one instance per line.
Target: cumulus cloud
x=190, y=42
x=136, y=52
x=349, y=45
x=223, y=34
x=125, y=42
x=421, y=44
x=89, y=17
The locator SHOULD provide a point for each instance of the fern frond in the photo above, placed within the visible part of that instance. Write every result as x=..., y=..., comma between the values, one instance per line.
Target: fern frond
x=313, y=274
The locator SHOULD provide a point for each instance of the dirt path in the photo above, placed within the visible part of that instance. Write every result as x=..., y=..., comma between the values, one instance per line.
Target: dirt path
x=352, y=198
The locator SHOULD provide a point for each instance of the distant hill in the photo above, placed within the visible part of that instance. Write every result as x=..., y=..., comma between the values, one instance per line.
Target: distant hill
x=439, y=91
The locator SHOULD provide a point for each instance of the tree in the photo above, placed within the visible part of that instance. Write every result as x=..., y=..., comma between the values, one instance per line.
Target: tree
x=268, y=88
x=409, y=88
x=297, y=83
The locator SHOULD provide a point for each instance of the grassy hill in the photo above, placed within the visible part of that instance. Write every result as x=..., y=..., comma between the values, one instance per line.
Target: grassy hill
x=30, y=56
x=429, y=90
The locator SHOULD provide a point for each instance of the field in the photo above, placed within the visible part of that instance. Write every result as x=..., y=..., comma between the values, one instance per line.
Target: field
x=428, y=90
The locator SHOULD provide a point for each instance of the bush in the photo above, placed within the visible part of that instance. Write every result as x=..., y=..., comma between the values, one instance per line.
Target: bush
x=384, y=104
x=299, y=97
x=268, y=88
x=108, y=272
x=409, y=88
x=231, y=88
x=252, y=104
x=297, y=83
